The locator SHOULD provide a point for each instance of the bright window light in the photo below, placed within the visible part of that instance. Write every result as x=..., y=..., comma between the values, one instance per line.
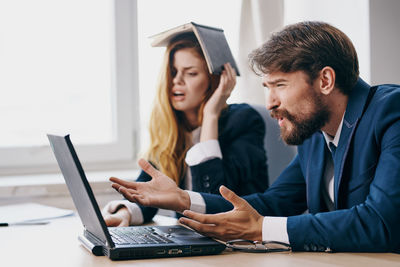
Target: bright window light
x=55, y=69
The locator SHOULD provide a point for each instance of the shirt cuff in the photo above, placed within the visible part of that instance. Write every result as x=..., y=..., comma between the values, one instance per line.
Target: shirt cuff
x=133, y=209
x=274, y=229
x=202, y=152
x=197, y=203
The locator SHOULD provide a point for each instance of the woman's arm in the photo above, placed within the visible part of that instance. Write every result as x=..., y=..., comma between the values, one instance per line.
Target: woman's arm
x=214, y=106
x=242, y=167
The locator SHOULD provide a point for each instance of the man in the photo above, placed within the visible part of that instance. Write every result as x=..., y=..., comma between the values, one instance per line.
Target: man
x=347, y=171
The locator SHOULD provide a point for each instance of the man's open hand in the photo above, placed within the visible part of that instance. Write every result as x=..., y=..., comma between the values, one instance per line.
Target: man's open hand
x=242, y=222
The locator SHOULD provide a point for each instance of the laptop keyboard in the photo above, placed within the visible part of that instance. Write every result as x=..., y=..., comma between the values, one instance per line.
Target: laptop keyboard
x=137, y=235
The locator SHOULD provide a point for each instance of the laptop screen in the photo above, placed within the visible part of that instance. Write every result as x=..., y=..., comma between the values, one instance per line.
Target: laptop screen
x=79, y=188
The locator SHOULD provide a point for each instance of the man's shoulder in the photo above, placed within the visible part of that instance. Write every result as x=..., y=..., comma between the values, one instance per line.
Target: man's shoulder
x=386, y=92
x=386, y=99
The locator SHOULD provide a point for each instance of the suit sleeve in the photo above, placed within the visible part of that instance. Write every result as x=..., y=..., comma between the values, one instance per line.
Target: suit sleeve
x=243, y=165
x=287, y=196
x=372, y=226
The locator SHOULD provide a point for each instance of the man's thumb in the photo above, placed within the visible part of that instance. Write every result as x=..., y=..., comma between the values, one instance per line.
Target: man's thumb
x=231, y=196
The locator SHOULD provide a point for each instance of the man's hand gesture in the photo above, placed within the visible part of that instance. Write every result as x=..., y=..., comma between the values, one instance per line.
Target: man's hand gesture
x=242, y=222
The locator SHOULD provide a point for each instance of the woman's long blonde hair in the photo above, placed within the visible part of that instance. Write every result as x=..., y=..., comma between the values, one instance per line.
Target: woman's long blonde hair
x=170, y=136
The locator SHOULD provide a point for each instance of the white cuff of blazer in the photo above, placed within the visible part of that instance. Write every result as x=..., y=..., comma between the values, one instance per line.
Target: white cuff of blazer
x=133, y=209
x=197, y=203
x=274, y=229
x=202, y=152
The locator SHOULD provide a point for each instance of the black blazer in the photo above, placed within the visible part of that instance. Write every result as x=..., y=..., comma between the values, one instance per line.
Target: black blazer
x=243, y=167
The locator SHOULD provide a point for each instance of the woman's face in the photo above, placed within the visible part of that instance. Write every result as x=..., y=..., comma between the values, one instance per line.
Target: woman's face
x=190, y=81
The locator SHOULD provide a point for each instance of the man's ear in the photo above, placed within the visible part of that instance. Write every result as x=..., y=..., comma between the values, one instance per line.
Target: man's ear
x=327, y=78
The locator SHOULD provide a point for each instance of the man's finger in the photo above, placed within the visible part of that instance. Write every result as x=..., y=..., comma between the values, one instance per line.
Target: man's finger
x=148, y=168
x=203, y=218
x=206, y=229
x=232, y=197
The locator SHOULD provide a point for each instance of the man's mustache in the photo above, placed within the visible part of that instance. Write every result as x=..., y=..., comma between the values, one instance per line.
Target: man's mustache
x=276, y=114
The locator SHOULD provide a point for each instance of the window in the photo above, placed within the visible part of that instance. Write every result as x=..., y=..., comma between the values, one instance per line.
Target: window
x=71, y=66
x=67, y=66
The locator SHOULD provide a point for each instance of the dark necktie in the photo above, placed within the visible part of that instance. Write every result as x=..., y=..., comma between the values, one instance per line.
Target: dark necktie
x=333, y=149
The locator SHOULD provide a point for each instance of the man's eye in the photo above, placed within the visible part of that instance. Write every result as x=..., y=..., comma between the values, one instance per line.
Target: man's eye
x=280, y=85
x=192, y=73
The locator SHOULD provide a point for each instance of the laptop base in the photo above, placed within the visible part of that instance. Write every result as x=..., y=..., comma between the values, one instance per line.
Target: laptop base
x=149, y=252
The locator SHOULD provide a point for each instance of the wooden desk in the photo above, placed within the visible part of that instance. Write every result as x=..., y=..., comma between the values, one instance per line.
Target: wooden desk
x=56, y=244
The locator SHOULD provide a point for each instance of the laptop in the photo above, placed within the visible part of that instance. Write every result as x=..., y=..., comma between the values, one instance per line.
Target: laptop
x=121, y=243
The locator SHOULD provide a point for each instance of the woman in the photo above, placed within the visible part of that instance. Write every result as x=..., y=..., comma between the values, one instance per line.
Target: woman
x=196, y=138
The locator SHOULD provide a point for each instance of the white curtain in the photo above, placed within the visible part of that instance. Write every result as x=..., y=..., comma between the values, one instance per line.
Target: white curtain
x=257, y=20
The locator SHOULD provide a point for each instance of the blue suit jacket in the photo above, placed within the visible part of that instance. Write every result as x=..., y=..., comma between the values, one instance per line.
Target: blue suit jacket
x=366, y=184
x=243, y=166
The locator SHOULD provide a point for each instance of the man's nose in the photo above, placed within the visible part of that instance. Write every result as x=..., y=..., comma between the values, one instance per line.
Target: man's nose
x=272, y=101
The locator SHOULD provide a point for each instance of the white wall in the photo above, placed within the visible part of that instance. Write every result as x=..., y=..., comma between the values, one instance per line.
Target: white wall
x=385, y=41
x=351, y=17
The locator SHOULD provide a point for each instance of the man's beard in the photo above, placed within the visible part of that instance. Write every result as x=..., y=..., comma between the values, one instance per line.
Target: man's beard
x=304, y=125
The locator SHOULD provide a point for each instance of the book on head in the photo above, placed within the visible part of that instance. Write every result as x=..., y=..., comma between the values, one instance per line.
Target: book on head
x=212, y=41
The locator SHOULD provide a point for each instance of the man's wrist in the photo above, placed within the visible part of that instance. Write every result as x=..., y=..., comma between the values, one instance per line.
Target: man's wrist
x=258, y=229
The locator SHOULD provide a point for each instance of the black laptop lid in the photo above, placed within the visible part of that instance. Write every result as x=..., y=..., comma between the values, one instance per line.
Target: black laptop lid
x=79, y=188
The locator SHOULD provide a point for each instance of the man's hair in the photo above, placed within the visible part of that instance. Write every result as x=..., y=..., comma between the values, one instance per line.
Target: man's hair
x=309, y=46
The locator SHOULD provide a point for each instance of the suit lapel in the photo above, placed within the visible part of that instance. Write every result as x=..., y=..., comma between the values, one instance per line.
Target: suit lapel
x=354, y=109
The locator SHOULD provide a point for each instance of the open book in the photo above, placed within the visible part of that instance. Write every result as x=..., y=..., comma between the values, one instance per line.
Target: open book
x=212, y=41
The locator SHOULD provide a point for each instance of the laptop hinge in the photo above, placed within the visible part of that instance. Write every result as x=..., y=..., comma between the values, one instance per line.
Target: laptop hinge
x=95, y=248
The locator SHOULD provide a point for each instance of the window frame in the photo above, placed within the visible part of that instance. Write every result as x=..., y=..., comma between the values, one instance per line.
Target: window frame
x=122, y=152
